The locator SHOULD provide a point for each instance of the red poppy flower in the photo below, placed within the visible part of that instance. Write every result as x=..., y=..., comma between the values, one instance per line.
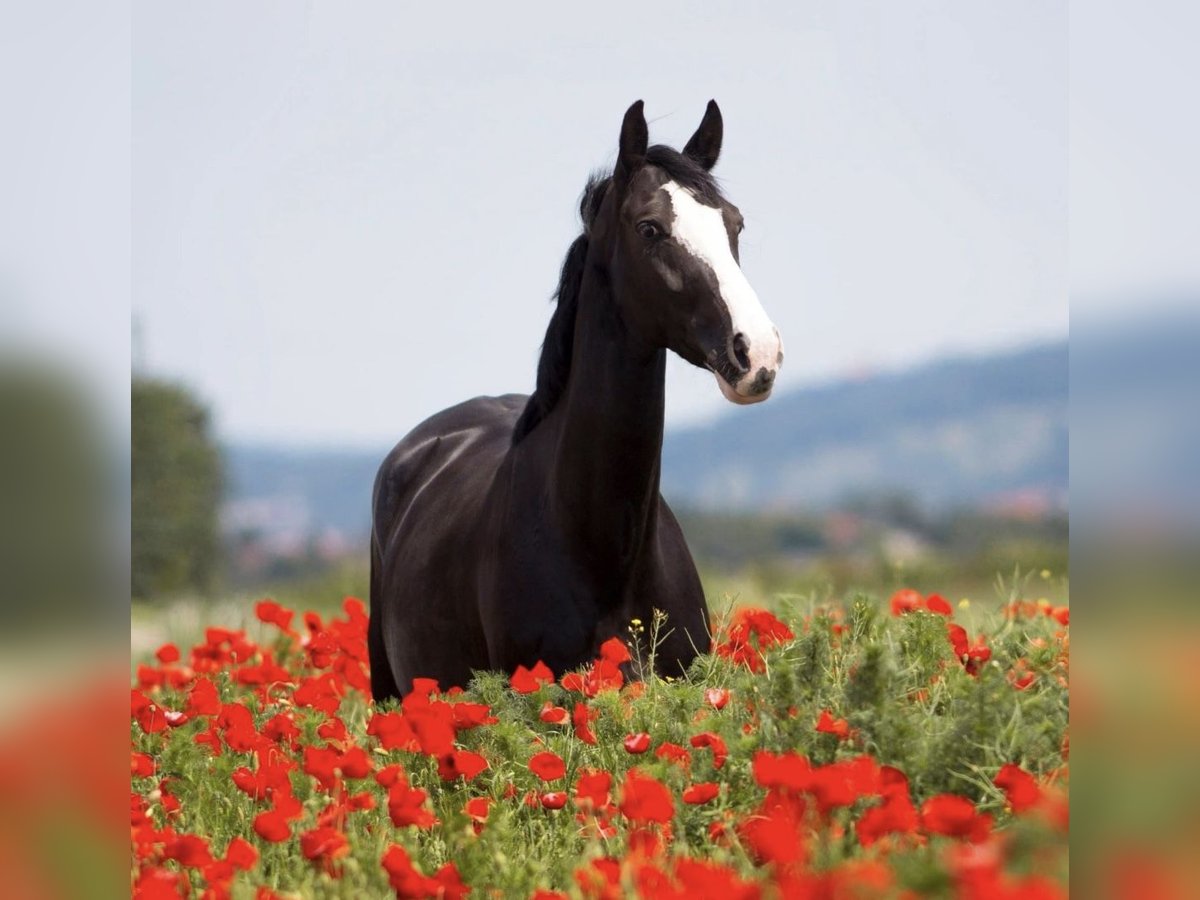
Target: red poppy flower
x=554, y=799
x=272, y=613
x=447, y=883
x=581, y=718
x=472, y=715
x=319, y=692
x=333, y=729
x=827, y=724
x=526, y=681
x=355, y=763
x=154, y=883
x=321, y=762
x=601, y=675
x=674, y=753
x=614, y=651
x=1061, y=615
x=141, y=765
x=712, y=881
x=765, y=627
x=282, y=728
x=170, y=803
x=1021, y=678
x=363, y=800
x=645, y=799
x=389, y=775
x=433, y=727
x=716, y=697
x=844, y=782
x=936, y=603
x=972, y=656
x=1019, y=787
x=906, y=600
x=789, y=770
x=714, y=743
x=272, y=826
x=750, y=632
x=554, y=715
x=203, y=699
x=775, y=833
x=241, y=854
x=147, y=713
x=460, y=763
x=637, y=743
x=167, y=654
x=954, y=816
x=477, y=808
x=592, y=787
x=572, y=681
x=393, y=730
x=188, y=850
x=895, y=815
x=323, y=844
x=406, y=881
x=406, y=806
x=701, y=792
x=547, y=766
x=285, y=803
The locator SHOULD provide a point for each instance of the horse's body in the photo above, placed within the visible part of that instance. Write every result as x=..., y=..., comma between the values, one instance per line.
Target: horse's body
x=513, y=529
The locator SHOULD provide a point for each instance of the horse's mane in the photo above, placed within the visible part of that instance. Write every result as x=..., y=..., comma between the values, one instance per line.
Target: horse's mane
x=555, y=363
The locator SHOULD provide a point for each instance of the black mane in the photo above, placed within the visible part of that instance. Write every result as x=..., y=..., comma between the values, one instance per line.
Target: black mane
x=555, y=363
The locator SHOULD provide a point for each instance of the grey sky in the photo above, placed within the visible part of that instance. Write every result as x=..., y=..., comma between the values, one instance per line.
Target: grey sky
x=308, y=184
x=1135, y=221
x=348, y=217
x=64, y=194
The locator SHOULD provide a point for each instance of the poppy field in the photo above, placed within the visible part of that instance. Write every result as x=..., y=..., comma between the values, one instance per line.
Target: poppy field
x=908, y=748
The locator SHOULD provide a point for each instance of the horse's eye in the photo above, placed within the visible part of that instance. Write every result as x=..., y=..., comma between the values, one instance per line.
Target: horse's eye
x=741, y=227
x=649, y=229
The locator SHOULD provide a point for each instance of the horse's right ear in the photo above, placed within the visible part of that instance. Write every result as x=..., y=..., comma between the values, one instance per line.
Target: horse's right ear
x=634, y=138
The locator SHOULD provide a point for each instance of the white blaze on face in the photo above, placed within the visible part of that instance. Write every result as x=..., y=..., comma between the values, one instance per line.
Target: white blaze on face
x=700, y=230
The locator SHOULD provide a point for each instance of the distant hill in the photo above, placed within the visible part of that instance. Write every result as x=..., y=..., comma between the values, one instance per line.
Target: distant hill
x=292, y=494
x=973, y=431
x=981, y=431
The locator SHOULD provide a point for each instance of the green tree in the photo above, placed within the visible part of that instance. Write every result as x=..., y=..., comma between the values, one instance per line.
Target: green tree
x=175, y=492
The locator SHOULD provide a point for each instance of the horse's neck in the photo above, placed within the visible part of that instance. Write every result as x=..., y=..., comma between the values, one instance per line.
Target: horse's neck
x=606, y=466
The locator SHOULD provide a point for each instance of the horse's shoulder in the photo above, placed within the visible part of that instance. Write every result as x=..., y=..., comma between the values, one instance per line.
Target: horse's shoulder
x=481, y=426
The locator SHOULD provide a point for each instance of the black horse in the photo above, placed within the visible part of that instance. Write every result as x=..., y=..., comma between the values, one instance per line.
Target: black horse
x=512, y=529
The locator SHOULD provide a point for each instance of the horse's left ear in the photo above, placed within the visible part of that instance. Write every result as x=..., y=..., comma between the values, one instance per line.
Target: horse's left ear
x=705, y=145
x=632, y=148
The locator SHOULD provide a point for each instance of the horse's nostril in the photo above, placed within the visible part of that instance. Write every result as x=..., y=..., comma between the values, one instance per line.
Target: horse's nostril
x=762, y=381
x=739, y=353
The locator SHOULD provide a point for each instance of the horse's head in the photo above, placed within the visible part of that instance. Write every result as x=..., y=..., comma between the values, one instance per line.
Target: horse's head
x=675, y=254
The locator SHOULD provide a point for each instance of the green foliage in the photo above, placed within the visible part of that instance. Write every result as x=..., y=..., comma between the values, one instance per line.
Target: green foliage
x=175, y=491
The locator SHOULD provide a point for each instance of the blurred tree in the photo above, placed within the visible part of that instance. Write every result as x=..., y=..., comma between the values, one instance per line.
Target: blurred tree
x=175, y=491
x=56, y=566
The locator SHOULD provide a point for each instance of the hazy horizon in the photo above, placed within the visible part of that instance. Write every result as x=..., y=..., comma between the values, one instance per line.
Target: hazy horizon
x=285, y=444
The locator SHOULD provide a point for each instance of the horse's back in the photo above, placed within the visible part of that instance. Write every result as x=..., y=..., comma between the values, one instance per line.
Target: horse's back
x=428, y=499
x=472, y=436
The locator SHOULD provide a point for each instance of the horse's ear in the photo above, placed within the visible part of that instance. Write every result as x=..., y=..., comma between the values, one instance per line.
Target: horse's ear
x=705, y=145
x=634, y=138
